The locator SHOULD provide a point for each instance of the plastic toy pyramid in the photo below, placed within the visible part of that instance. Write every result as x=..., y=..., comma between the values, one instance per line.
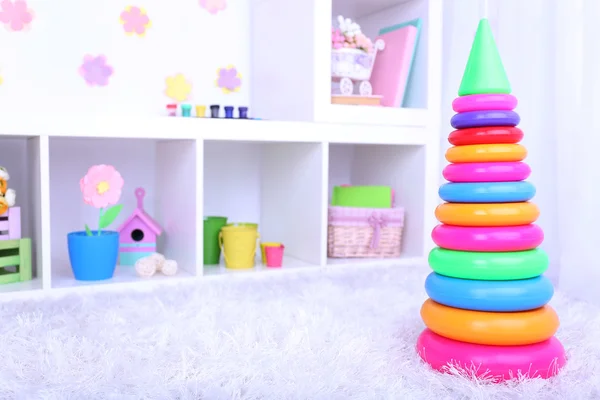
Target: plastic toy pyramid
x=487, y=311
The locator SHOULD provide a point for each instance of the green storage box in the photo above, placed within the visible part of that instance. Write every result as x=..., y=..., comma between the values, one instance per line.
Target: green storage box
x=362, y=196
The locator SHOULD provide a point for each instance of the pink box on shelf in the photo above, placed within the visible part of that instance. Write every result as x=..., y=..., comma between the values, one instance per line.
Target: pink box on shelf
x=10, y=224
x=364, y=232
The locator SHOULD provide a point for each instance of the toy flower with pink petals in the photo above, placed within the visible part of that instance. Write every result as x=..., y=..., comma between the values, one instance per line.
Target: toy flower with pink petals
x=363, y=42
x=101, y=188
x=349, y=35
x=337, y=39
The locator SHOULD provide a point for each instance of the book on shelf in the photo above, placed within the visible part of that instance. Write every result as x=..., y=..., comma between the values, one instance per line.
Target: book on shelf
x=391, y=72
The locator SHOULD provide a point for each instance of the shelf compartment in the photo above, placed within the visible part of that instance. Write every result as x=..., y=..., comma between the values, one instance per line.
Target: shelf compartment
x=166, y=169
x=308, y=55
x=24, y=158
x=372, y=16
x=280, y=186
x=400, y=167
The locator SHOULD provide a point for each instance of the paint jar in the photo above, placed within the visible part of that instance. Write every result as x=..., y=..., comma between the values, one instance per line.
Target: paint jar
x=200, y=111
x=214, y=111
x=243, y=112
x=228, y=112
x=172, y=110
x=186, y=110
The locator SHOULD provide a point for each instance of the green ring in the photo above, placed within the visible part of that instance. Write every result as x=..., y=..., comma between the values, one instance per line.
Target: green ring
x=492, y=266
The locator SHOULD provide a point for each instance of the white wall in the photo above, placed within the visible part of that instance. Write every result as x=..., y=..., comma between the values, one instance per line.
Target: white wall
x=39, y=66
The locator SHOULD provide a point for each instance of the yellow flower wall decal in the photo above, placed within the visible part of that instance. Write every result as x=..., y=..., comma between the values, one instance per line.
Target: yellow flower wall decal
x=178, y=88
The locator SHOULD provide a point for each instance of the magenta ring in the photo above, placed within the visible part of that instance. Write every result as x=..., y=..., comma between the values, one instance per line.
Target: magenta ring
x=487, y=172
x=495, y=363
x=499, y=238
x=482, y=102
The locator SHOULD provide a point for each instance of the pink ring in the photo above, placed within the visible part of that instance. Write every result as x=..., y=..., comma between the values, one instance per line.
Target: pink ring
x=499, y=238
x=487, y=172
x=484, y=102
x=540, y=360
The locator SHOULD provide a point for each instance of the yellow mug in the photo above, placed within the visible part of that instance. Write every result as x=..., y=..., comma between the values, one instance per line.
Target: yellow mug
x=263, y=255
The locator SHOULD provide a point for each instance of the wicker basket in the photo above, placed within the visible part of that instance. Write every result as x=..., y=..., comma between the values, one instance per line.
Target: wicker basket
x=364, y=232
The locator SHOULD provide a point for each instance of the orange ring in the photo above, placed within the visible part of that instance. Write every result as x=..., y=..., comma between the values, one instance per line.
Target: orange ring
x=496, y=152
x=487, y=214
x=490, y=328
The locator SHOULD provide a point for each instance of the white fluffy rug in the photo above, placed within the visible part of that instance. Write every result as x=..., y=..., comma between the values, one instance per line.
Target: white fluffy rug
x=340, y=334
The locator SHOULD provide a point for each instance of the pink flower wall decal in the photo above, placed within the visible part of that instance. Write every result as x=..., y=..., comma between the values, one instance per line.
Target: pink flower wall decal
x=229, y=79
x=95, y=71
x=213, y=6
x=15, y=14
x=135, y=21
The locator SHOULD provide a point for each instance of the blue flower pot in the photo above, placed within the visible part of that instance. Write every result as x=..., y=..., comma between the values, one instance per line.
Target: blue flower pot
x=93, y=258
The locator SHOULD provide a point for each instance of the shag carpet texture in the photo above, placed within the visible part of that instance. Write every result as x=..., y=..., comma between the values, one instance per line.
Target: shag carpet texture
x=336, y=334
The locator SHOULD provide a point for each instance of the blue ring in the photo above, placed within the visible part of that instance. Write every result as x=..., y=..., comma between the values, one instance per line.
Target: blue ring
x=487, y=192
x=473, y=119
x=493, y=296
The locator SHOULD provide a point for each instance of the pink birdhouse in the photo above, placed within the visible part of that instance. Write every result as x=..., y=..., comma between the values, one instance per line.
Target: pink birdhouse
x=137, y=235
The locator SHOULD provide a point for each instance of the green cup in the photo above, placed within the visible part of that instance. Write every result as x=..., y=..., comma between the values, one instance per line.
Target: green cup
x=212, y=250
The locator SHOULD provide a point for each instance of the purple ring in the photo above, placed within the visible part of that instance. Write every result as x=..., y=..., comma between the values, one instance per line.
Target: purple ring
x=473, y=119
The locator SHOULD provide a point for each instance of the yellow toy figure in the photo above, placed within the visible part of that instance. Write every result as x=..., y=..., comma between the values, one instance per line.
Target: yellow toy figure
x=7, y=196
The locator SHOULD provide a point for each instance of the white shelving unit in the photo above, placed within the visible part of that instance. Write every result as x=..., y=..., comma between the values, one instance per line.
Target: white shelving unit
x=278, y=172
x=189, y=169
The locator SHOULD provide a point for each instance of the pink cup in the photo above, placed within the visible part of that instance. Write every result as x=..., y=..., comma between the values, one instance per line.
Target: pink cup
x=274, y=256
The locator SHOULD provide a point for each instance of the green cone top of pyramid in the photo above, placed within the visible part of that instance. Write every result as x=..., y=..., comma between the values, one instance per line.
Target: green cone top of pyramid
x=484, y=72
